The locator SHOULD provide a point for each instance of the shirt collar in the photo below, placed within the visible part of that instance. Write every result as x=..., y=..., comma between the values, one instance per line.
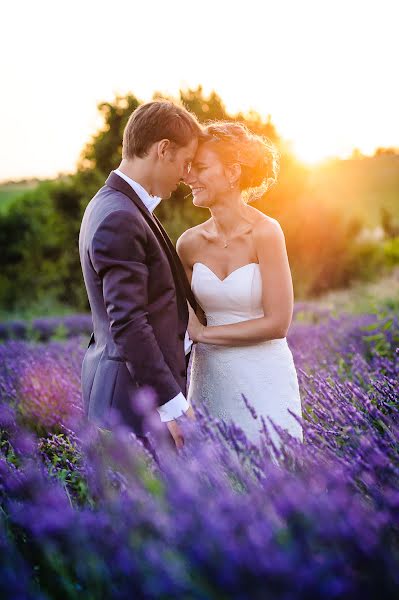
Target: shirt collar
x=150, y=202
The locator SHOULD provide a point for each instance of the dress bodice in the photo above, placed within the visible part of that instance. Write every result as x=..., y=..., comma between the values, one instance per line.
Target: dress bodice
x=223, y=375
x=236, y=298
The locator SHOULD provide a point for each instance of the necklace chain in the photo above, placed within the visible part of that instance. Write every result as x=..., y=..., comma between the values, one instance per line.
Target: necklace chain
x=227, y=241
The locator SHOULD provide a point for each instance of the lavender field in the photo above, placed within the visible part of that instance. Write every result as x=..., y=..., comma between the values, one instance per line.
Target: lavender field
x=88, y=515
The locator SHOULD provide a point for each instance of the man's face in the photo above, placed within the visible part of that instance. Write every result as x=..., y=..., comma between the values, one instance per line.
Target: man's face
x=174, y=167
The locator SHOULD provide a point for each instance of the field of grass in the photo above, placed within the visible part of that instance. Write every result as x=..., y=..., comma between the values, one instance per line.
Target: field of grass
x=359, y=188
x=10, y=191
x=364, y=297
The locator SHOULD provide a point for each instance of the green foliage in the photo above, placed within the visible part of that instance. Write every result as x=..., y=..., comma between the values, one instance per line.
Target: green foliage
x=391, y=251
x=209, y=108
x=28, y=246
x=39, y=256
x=103, y=152
x=364, y=189
x=376, y=339
x=388, y=223
x=64, y=461
x=9, y=192
x=7, y=450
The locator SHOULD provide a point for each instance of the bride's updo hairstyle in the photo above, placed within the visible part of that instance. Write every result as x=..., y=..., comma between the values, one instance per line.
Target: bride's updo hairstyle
x=257, y=155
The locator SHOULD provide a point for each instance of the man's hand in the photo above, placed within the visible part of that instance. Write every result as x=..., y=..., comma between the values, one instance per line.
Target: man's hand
x=190, y=413
x=175, y=429
x=176, y=433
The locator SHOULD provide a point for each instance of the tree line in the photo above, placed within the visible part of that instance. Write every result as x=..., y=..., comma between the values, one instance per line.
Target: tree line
x=39, y=256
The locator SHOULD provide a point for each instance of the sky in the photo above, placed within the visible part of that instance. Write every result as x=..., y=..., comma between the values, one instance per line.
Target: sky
x=326, y=71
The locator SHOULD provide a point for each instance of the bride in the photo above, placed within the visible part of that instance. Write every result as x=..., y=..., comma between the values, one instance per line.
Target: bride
x=237, y=264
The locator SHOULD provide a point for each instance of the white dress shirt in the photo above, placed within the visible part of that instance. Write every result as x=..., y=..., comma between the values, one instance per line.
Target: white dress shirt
x=178, y=405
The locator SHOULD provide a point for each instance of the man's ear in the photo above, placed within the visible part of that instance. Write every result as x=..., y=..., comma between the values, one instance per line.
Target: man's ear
x=162, y=148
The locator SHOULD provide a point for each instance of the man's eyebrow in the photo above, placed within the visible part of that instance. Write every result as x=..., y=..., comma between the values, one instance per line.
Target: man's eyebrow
x=200, y=164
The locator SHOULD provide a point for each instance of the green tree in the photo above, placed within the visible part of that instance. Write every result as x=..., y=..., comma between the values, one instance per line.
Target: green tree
x=103, y=152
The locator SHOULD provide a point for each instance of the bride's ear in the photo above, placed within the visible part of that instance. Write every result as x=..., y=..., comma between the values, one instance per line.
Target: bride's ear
x=233, y=174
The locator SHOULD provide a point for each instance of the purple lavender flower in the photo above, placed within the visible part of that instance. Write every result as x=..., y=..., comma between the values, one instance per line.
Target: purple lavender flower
x=222, y=517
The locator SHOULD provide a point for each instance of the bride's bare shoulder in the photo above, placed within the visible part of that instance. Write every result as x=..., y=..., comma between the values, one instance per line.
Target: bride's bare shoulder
x=265, y=227
x=187, y=244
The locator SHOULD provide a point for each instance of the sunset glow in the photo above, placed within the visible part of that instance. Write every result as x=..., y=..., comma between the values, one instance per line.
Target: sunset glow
x=324, y=71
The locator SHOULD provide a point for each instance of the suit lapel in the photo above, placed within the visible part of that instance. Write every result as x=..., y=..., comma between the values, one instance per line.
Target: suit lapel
x=179, y=267
x=179, y=275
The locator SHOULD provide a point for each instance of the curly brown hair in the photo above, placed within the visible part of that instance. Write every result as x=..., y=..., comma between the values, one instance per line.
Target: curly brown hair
x=258, y=157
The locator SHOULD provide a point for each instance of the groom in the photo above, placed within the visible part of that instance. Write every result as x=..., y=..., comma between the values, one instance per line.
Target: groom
x=135, y=283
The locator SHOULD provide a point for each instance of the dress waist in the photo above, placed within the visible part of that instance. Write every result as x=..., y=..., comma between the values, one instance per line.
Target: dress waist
x=214, y=319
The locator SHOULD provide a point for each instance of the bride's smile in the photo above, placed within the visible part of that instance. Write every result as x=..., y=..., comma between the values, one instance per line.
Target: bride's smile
x=197, y=191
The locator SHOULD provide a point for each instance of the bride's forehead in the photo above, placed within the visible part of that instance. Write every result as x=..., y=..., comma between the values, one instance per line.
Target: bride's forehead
x=205, y=154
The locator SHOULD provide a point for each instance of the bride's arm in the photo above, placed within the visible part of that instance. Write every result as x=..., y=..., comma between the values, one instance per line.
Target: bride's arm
x=277, y=296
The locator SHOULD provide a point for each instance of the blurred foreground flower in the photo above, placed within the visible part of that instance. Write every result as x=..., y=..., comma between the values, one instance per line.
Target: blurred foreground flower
x=49, y=393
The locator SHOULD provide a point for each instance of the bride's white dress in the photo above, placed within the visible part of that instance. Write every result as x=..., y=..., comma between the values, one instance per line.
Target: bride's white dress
x=264, y=372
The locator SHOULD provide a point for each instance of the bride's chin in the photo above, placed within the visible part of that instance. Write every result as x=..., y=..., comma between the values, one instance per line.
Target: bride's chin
x=200, y=202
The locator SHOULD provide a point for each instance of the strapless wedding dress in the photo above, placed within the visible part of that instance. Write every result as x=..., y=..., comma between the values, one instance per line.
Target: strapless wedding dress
x=264, y=372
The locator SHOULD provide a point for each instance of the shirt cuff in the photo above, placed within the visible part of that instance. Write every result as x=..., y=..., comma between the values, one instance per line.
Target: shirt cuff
x=188, y=342
x=173, y=409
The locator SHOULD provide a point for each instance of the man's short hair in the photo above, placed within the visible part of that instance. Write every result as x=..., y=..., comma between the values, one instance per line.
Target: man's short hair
x=155, y=121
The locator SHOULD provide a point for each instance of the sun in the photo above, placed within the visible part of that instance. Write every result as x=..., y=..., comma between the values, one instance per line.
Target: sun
x=313, y=152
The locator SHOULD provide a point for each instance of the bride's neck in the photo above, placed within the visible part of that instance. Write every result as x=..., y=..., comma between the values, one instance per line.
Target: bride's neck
x=227, y=215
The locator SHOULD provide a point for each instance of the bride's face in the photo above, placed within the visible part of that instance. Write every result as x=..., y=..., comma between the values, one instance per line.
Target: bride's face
x=207, y=178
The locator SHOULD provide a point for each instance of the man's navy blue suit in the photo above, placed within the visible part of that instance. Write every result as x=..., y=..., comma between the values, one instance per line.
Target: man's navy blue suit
x=138, y=293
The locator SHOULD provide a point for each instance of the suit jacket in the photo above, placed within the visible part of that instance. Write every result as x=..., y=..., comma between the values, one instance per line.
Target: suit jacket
x=138, y=292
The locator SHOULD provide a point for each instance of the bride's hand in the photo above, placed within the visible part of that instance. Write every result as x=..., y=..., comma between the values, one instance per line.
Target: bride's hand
x=195, y=328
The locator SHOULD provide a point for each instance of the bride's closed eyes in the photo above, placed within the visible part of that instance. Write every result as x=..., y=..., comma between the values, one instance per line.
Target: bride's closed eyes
x=200, y=167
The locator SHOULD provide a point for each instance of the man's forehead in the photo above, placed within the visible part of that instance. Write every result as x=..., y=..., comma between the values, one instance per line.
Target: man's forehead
x=189, y=151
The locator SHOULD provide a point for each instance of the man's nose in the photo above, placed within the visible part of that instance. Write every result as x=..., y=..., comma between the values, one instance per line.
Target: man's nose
x=187, y=178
